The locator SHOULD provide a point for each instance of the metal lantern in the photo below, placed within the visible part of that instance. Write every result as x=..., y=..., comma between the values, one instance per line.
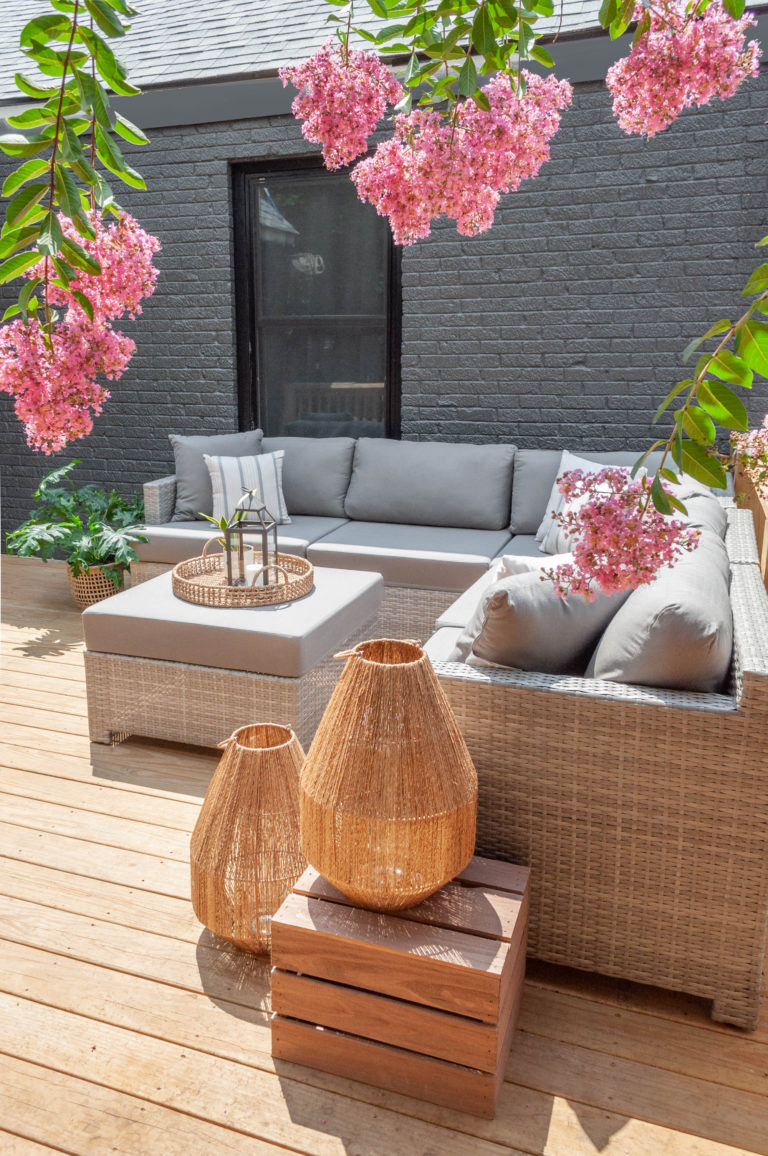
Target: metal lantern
x=251, y=518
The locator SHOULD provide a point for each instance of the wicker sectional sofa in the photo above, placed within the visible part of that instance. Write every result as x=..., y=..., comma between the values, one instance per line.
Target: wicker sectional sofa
x=643, y=813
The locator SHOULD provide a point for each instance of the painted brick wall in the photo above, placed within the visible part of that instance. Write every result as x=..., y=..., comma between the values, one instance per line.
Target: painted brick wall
x=564, y=324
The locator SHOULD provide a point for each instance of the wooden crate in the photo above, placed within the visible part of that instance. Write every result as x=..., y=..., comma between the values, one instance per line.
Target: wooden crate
x=423, y=1002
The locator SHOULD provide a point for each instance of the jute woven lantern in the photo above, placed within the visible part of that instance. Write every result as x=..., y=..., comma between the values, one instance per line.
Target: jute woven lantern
x=388, y=790
x=245, y=854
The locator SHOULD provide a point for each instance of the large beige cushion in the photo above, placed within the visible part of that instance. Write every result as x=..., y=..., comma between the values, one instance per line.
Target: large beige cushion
x=520, y=622
x=676, y=632
x=431, y=483
x=316, y=473
x=428, y=557
x=194, y=496
x=148, y=621
x=172, y=542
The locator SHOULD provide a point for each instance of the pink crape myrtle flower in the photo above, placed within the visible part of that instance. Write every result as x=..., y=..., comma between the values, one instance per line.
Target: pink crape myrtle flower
x=431, y=168
x=53, y=384
x=678, y=62
x=620, y=540
x=342, y=97
x=751, y=451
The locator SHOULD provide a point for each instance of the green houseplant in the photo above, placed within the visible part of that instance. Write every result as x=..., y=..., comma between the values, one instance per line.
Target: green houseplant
x=95, y=531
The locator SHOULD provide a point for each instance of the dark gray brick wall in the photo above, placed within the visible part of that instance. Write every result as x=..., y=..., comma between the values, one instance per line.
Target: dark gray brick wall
x=564, y=324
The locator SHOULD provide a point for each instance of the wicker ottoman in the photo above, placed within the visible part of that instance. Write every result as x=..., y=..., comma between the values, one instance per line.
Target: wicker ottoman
x=164, y=668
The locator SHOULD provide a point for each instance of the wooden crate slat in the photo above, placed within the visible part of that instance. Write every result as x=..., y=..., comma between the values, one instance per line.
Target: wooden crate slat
x=495, y=873
x=479, y=909
x=445, y=969
x=424, y=1078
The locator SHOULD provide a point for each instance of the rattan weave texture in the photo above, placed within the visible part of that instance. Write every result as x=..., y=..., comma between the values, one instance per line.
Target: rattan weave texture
x=203, y=582
x=91, y=587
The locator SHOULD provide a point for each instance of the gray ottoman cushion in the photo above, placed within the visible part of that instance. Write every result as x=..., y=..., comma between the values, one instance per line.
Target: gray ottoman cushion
x=678, y=631
x=316, y=473
x=431, y=484
x=148, y=621
x=194, y=495
x=427, y=557
x=521, y=622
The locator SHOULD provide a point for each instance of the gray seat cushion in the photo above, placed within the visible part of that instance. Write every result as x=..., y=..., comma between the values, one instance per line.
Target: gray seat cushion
x=172, y=542
x=194, y=495
x=148, y=621
x=316, y=473
x=521, y=622
x=523, y=546
x=677, y=632
x=535, y=474
x=442, y=644
x=427, y=557
x=460, y=612
x=431, y=484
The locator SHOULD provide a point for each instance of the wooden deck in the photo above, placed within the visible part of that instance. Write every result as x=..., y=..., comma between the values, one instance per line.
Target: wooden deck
x=124, y=1027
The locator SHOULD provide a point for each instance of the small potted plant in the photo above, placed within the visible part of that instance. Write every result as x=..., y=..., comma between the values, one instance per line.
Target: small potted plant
x=222, y=524
x=95, y=531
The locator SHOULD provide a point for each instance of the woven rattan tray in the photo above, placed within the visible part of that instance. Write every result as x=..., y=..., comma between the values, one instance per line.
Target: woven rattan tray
x=202, y=580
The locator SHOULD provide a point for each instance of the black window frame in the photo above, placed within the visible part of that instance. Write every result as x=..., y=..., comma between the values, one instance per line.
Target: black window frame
x=246, y=329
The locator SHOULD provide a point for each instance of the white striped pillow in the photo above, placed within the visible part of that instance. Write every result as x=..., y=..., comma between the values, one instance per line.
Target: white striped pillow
x=231, y=476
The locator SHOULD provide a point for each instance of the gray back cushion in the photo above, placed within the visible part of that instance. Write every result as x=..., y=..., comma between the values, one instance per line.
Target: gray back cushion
x=194, y=495
x=316, y=473
x=431, y=484
x=678, y=631
x=535, y=474
x=521, y=622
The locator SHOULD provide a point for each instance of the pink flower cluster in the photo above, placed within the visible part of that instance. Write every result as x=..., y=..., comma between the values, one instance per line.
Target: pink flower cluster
x=430, y=167
x=620, y=540
x=53, y=382
x=342, y=97
x=751, y=451
x=681, y=60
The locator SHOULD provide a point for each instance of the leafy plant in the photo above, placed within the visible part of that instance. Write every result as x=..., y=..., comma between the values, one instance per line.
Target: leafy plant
x=89, y=526
x=223, y=522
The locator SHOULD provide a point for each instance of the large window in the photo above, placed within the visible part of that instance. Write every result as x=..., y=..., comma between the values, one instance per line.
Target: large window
x=318, y=306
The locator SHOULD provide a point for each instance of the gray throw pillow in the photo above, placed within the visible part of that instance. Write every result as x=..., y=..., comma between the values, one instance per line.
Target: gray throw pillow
x=677, y=632
x=521, y=622
x=194, y=495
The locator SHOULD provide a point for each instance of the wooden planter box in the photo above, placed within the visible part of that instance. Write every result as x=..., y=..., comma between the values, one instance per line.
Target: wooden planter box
x=748, y=498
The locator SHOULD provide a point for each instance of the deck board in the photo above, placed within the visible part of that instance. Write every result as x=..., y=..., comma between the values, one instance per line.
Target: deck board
x=125, y=1026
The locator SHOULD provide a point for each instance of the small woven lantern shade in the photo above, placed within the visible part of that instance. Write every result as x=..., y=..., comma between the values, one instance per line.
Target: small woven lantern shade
x=245, y=854
x=388, y=791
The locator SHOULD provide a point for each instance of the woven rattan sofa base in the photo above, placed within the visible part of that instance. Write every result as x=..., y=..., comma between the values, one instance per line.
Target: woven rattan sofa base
x=643, y=814
x=199, y=705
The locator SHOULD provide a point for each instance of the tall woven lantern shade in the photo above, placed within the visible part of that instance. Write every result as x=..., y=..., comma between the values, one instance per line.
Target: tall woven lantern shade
x=245, y=854
x=388, y=791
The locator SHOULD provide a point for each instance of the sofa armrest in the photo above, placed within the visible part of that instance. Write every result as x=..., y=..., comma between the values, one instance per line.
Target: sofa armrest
x=159, y=500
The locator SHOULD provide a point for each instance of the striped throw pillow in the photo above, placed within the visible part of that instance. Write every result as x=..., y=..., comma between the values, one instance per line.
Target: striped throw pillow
x=231, y=476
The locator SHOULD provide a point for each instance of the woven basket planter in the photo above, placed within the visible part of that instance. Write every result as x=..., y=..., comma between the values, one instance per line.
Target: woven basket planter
x=245, y=854
x=95, y=586
x=388, y=791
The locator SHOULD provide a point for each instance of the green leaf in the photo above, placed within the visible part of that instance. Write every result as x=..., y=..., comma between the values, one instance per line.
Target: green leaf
x=698, y=425
x=17, y=265
x=83, y=168
x=481, y=100
x=107, y=64
x=79, y=257
x=94, y=97
x=51, y=236
x=16, y=145
x=29, y=196
x=622, y=19
x=607, y=13
x=757, y=283
x=30, y=118
x=67, y=194
x=728, y=367
x=64, y=270
x=17, y=239
x=26, y=172
x=700, y=463
x=468, y=77
x=723, y=405
x=70, y=145
x=536, y=52
x=734, y=8
x=376, y=7
x=753, y=346
x=11, y=311
x=26, y=295
x=482, y=32
x=84, y=303
x=104, y=194
x=105, y=18
x=718, y=328
x=643, y=26
x=45, y=28
x=659, y=496
x=673, y=393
